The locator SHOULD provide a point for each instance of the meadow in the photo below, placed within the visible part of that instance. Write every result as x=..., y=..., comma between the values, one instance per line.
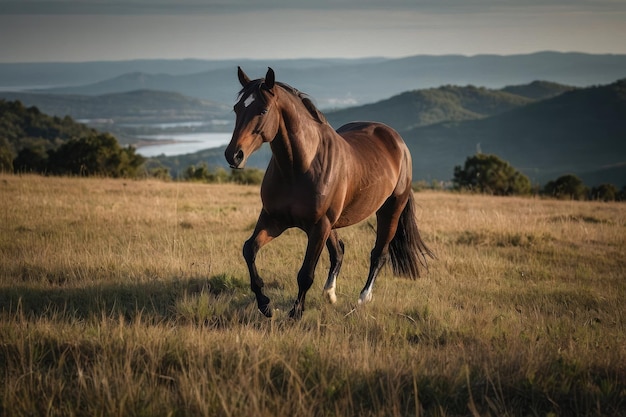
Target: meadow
x=131, y=298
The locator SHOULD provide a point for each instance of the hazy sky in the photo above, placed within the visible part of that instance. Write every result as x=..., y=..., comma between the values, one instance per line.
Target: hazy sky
x=87, y=30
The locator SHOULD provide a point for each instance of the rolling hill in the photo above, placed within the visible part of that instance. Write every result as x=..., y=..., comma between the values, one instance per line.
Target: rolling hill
x=581, y=132
x=543, y=129
x=424, y=107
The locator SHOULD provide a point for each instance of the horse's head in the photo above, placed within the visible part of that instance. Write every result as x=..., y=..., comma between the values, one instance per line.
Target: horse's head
x=257, y=118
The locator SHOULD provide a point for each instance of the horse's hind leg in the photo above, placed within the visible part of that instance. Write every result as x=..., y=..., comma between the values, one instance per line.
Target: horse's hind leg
x=266, y=229
x=335, y=250
x=387, y=218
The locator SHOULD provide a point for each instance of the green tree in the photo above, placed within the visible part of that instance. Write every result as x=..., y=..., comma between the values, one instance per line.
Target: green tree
x=198, y=173
x=250, y=176
x=98, y=154
x=566, y=187
x=33, y=159
x=604, y=192
x=490, y=174
x=6, y=156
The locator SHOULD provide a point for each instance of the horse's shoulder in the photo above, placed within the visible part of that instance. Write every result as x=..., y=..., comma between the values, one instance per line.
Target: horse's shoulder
x=356, y=126
x=370, y=128
x=373, y=131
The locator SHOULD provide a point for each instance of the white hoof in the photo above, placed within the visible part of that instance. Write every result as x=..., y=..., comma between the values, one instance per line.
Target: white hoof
x=365, y=297
x=330, y=295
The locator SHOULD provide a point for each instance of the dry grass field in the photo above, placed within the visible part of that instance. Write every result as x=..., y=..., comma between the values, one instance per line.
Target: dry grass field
x=130, y=298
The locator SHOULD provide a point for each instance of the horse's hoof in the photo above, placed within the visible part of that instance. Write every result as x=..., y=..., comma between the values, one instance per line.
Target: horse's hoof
x=295, y=313
x=365, y=297
x=330, y=295
x=266, y=310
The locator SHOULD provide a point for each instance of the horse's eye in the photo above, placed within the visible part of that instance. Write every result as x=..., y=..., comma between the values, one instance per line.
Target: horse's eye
x=264, y=111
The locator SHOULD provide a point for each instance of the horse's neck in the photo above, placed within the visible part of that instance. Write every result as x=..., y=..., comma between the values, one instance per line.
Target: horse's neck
x=296, y=143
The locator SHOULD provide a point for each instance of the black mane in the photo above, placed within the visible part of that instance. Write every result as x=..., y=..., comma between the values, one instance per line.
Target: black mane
x=306, y=100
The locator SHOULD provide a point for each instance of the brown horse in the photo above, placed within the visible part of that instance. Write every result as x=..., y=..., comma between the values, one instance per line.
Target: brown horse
x=319, y=180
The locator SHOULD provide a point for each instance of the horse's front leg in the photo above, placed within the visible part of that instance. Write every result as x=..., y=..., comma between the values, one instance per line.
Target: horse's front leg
x=318, y=235
x=266, y=229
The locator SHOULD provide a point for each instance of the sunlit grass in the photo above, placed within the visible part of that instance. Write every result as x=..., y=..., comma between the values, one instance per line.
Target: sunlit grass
x=131, y=298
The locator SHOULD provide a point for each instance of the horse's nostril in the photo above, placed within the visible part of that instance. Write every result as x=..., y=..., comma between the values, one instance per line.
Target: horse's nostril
x=238, y=157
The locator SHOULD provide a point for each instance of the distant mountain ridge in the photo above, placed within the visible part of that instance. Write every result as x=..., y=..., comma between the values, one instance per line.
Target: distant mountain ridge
x=335, y=83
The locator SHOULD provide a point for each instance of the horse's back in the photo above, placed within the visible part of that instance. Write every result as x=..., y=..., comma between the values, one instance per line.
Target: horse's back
x=378, y=166
x=374, y=138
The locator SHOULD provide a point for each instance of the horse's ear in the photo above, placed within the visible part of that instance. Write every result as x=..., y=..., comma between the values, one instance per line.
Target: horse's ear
x=243, y=78
x=270, y=78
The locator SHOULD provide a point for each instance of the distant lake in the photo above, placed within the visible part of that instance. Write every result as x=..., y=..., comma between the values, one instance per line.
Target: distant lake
x=183, y=143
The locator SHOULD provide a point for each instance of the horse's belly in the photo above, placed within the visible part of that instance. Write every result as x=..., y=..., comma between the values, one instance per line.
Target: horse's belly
x=360, y=208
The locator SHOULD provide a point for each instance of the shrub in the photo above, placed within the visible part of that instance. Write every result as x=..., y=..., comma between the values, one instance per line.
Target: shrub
x=566, y=187
x=98, y=154
x=604, y=192
x=490, y=174
x=250, y=176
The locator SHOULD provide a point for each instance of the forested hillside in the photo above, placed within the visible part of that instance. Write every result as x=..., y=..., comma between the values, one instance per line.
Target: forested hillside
x=538, y=90
x=31, y=141
x=134, y=106
x=581, y=132
x=424, y=107
x=447, y=103
x=22, y=127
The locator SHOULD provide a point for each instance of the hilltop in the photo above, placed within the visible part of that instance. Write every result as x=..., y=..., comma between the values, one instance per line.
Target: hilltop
x=538, y=90
x=424, y=107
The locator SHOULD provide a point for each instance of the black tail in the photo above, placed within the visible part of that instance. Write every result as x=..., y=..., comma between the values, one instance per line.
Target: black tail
x=407, y=249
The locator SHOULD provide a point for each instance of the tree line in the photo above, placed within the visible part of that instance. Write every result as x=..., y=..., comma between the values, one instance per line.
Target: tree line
x=101, y=155
x=491, y=175
x=33, y=142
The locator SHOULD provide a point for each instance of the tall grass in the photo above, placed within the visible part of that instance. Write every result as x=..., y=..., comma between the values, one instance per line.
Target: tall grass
x=122, y=298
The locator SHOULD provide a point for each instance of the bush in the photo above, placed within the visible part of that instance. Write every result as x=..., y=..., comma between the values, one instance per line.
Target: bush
x=490, y=174
x=98, y=154
x=202, y=173
x=604, y=192
x=250, y=176
x=6, y=156
x=33, y=159
x=568, y=187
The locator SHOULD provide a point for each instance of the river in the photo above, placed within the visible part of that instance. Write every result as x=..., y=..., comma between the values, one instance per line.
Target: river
x=183, y=143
